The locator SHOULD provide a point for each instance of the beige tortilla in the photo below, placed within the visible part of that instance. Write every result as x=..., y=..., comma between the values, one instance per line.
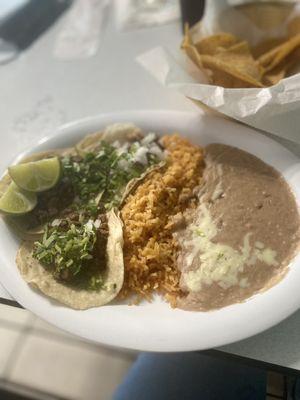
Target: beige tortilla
x=122, y=132
x=37, y=276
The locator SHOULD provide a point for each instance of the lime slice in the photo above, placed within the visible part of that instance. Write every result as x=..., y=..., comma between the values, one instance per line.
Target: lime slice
x=36, y=176
x=17, y=201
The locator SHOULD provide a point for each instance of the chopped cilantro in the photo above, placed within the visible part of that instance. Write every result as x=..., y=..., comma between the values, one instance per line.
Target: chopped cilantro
x=65, y=248
x=100, y=173
x=98, y=180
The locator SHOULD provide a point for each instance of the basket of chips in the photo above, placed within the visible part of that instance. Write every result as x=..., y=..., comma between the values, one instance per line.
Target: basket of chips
x=243, y=60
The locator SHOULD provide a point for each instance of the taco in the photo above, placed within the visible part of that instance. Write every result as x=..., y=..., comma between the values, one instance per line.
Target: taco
x=72, y=249
x=112, y=273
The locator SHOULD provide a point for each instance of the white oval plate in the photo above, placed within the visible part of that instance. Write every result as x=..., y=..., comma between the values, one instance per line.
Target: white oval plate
x=155, y=326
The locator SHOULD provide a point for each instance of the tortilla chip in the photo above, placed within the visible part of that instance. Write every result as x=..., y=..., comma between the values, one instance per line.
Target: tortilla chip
x=40, y=278
x=210, y=45
x=224, y=76
x=233, y=66
x=287, y=67
x=190, y=49
x=221, y=78
x=239, y=68
x=274, y=76
x=275, y=56
x=239, y=55
x=266, y=45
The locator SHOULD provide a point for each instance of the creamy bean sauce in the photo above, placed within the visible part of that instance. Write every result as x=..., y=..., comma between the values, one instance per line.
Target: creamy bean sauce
x=242, y=235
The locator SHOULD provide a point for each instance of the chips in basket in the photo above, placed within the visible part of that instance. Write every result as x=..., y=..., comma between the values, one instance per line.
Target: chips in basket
x=230, y=62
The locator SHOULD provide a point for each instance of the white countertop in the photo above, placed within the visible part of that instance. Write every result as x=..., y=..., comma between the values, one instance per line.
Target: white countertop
x=39, y=93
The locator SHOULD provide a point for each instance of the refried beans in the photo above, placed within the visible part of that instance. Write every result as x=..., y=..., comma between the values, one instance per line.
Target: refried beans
x=242, y=235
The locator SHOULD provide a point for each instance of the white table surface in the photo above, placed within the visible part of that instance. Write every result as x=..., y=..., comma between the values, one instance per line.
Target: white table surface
x=39, y=93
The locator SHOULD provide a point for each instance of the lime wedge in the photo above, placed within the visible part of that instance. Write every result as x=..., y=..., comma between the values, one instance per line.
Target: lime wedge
x=36, y=176
x=16, y=201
